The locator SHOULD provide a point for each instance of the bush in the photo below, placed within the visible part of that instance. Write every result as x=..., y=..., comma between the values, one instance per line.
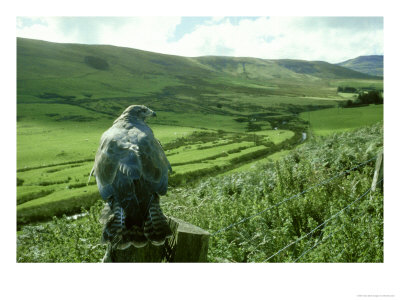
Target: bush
x=372, y=97
x=363, y=99
x=346, y=89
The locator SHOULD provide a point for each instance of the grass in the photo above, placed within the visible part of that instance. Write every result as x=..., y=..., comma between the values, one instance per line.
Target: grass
x=257, y=163
x=276, y=136
x=54, y=157
x=200, y=121
x=44, y=140
x=327, y=121
x=204, y=105
x=212, y=203
x=195, y=155
x=58, y=203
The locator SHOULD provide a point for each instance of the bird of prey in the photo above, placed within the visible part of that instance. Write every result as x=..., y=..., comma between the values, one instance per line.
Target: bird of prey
x=131, y=171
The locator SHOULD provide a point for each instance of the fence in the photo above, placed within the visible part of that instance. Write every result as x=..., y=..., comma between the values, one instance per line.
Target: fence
x=190, y=243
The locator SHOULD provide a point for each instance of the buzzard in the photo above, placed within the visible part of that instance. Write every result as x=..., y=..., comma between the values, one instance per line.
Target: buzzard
x=131, y=171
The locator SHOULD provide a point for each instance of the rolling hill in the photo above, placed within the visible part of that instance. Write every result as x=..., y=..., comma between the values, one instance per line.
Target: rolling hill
x=372, y=64
x=51, y=71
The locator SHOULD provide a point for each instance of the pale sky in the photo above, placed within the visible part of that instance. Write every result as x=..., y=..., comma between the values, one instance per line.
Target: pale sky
x=331, y=39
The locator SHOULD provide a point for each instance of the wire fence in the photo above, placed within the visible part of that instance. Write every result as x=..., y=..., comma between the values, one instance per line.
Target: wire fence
x=319, y=242
x=336, y=230
x=292, y=197
x=319, y=226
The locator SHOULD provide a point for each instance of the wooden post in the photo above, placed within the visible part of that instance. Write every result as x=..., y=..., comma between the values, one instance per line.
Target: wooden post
x=189, y=243
x=378, y=174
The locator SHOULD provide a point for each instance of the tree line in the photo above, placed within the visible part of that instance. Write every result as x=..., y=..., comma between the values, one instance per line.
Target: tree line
x=371, y=97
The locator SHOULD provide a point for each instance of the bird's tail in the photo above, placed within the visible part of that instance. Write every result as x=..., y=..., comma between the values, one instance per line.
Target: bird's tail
x=113, y=219
x=156, y=228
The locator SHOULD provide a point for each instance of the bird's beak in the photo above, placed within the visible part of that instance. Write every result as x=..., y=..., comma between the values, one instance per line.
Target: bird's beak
x=154, y=114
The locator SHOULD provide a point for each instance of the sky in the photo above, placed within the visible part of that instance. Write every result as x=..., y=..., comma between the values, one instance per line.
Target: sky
x=331, y=39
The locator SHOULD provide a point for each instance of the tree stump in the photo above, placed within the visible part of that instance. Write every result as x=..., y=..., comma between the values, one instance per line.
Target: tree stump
x=188, y=243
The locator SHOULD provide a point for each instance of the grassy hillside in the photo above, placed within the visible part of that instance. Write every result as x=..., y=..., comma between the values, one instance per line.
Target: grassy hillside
x=93, y=74
x=372, y=64
x=215, y=114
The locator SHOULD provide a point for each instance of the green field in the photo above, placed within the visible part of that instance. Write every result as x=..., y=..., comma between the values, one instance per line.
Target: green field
x=55, y=157
x=327, y=121
x=258, y=163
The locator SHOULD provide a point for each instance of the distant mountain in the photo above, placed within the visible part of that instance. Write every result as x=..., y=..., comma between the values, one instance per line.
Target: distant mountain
x=256, y=68
x=371, y=64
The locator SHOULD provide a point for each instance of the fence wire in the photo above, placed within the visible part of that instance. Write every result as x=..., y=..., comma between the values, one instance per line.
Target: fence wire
x=319, y=242
x=292, y=197
x=329, y=236
x=320, y=225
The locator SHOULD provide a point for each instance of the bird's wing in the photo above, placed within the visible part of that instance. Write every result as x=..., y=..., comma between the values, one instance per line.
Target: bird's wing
x=155, y=164
x=115, y=154
x=135, y=153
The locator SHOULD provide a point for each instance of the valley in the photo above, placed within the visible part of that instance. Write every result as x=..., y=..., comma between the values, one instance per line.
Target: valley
x=217, y=117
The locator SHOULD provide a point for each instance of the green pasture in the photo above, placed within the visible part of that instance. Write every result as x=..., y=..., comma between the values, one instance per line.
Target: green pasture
x=190, y=155
x=51, y=134
x=275, y=136
x=199, y=121
x=56, y=145
x=224, y=160
x=259, y=162
x=327, y=121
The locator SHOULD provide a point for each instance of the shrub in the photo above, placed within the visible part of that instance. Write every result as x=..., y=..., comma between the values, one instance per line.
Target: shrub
x=371, y=97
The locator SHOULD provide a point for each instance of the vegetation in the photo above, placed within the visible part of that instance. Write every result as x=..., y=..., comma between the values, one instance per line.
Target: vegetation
x=328, y=121
x=216, y=202
x=372, y=64
x=220, y=120
x=346, y=89
x=371, y=97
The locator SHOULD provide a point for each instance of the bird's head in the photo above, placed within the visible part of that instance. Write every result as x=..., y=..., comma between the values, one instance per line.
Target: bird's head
x=137, y=112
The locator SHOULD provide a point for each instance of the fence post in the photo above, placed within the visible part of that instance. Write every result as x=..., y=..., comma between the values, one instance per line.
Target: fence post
x=378, y=174
x=189, y=243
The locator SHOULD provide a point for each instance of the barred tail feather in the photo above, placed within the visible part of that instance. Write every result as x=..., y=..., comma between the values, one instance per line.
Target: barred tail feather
x=114, y=224
x=156, y=228
x=136, y=236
